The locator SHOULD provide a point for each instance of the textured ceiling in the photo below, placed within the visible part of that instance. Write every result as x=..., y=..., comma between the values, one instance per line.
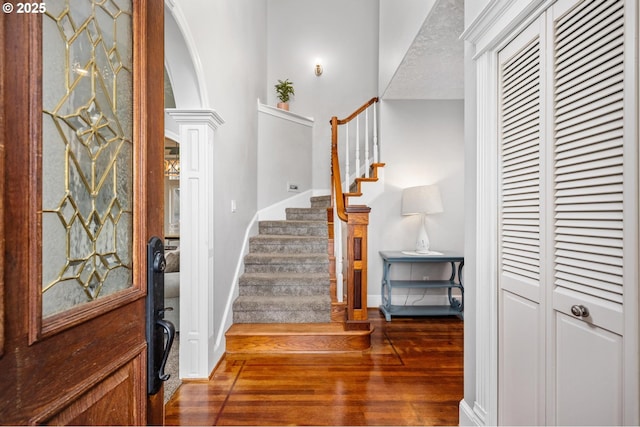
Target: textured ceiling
x=433, y=67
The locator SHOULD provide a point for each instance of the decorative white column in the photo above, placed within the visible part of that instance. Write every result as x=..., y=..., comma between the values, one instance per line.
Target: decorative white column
x=486, y=404
x=196, y=129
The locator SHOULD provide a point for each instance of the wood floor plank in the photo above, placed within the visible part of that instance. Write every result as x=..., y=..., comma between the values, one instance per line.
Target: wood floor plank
x=412, y=375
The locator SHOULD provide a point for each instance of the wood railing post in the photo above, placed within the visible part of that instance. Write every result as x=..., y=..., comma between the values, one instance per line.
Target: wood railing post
x=357, y=226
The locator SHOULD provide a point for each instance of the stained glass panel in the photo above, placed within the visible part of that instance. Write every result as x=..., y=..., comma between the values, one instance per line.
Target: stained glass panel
x=87, y=207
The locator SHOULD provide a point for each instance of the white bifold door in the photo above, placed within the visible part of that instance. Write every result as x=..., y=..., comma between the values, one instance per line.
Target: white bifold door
x=568, y=218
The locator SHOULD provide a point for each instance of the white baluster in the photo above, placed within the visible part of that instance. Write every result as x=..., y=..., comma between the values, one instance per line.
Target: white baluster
x=357, y=146
x=375, y=134
x=366, y=142
x=346, y=162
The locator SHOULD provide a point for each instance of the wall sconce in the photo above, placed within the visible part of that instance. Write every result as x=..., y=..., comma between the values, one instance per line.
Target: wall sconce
x=318, y=68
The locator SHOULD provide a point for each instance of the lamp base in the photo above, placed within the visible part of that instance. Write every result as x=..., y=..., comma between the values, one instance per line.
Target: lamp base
x=422, y=241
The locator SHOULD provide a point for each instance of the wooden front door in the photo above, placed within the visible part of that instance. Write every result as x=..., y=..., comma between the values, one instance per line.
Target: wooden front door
x=81, y=143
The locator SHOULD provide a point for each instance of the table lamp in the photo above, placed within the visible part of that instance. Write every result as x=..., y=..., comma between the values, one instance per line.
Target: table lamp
x=421, y=200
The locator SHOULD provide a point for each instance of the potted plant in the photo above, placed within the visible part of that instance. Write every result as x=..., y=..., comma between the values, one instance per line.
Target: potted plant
x=284, y=90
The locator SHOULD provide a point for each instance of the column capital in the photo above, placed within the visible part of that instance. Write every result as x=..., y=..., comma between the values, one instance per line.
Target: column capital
x=210, y=117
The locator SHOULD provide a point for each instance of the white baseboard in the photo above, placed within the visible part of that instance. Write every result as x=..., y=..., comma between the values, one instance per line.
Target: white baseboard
x=466, y=416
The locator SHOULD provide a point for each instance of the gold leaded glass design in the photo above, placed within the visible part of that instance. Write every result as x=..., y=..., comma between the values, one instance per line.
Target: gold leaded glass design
x=87, y=155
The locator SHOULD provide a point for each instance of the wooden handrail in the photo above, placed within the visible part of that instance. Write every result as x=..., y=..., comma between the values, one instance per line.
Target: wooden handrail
x=338, y=194
x=359, y=110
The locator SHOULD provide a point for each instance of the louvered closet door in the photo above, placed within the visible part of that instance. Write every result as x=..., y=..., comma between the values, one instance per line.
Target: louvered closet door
x=589, y=173
x=521, y=330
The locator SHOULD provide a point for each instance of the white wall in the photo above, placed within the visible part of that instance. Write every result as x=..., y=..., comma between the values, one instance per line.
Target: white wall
x=422, y=142
x=398, y=28
x=230, y=42
x=344, y=34
x=472, y=9
x=284, y=155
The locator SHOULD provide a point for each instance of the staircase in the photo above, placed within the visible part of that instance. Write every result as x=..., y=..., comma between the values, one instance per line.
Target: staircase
x=284, y=303
x=286, y=277
x=288, y=295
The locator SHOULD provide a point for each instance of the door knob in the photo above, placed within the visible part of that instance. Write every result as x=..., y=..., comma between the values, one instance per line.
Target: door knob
x=580, y=311
x=159, y=263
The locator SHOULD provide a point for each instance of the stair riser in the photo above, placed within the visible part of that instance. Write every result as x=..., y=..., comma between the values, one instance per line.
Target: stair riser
x=281, y=280
x=285, y=268
x=282, y=304
x=306, y=215
x=321, y=202
x=315, y=258
x=297, y=344
x=322, y=337
x=288, y=229
x=305, y=316
x=283, y=290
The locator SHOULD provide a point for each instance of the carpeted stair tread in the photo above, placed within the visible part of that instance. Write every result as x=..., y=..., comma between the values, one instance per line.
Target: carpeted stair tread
x=284, y=278
x=277, y=262
x=286, y=243
x=294, y=227
x=285, y=258
x=279, y=309
x=284, y=284
x=306, y=214
x=282, y=303
x=321, y=202
x=300, y=316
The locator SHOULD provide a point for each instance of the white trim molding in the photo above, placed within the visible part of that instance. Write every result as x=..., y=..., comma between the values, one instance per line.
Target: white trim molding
x=284, y=114
x=486, y=402
x=181, y=21
x=197, y=129
x=466, y=415
x=199, y=116
x=498, y=23
x=495, y=26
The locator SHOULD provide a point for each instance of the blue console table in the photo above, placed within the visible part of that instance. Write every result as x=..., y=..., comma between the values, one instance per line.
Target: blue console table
x=455, y=306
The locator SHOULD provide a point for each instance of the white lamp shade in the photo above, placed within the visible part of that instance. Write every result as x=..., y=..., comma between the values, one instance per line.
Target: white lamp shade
x=424, y=199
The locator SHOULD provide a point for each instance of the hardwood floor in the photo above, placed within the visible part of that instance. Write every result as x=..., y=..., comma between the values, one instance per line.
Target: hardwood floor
x=412, y=375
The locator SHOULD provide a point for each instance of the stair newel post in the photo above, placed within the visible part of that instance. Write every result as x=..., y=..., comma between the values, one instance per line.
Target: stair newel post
x=357, y=226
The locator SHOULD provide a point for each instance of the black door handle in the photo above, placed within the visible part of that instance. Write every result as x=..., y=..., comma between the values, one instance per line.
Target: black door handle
x=160, y=332
x=170, y=330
